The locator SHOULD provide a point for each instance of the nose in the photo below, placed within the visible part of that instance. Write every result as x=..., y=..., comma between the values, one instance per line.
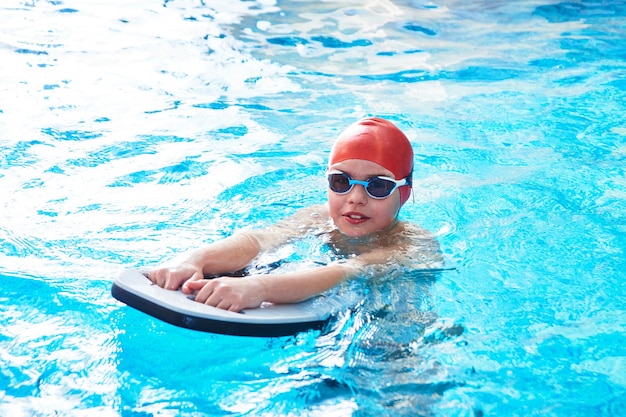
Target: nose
x=357, y=195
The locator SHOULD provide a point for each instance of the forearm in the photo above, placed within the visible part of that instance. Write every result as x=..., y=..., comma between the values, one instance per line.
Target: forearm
x=227, y=255
x=236, y=252
x=298, y=286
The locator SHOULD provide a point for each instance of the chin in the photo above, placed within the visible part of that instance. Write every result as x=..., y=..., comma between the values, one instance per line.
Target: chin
x=364, y=230
x=354, y=232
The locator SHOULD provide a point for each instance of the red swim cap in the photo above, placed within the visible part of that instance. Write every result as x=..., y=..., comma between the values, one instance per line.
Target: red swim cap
x=380, y=141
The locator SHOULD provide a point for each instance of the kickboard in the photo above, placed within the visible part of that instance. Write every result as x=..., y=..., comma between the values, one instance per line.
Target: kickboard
x=134, y=289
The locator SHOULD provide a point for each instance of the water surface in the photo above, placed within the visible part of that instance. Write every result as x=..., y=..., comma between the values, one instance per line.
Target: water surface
x=132, y=131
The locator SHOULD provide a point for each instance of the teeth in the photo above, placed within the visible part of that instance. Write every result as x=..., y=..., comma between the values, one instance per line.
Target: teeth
x=356, y=216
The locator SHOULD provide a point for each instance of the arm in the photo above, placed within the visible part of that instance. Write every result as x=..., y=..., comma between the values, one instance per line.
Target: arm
x=236, y=294
x=237, y=251
x=420, y=250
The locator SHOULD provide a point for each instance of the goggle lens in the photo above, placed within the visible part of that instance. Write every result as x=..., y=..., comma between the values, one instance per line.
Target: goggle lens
x=339, y=183
x=380, y=187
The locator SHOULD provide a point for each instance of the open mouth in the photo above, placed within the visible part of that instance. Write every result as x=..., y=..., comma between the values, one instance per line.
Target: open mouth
x=355, y=217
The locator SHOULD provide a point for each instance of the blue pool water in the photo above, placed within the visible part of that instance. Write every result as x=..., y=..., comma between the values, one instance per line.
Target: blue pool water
x=131, y=131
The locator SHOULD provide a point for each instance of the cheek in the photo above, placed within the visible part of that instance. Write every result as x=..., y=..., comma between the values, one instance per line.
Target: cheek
x=334, y=204
x=389, y=208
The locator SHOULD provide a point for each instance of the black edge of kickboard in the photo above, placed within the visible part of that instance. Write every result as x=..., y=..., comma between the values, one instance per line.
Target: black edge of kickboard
x=211, y=325
x=236, y=274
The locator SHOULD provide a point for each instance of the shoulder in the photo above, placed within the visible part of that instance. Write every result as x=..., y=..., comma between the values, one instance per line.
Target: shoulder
x=413, y=232
x=407, y=245
x=421, y=248
x=403, y=233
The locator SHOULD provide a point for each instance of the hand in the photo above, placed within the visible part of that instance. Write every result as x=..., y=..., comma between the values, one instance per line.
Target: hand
x=171, y=278
x=233, y=294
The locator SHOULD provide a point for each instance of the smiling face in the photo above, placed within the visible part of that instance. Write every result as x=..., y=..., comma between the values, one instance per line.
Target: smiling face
x=355, y=213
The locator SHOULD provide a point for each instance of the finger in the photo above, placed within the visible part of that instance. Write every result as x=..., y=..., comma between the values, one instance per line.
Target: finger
x=216, y=300
x=173, y=278
x=234, y=308
x=223, y=304
x=191, y=286
x=156, y=277
x=194, y=283
x=177, y=276
x=197, y=276
x=204, y=293
x=219, y=296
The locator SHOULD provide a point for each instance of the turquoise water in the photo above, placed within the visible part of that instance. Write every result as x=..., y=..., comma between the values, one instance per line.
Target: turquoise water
x=132, y=131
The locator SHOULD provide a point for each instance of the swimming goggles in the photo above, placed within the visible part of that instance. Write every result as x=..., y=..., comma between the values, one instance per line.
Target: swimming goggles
x=377, y=187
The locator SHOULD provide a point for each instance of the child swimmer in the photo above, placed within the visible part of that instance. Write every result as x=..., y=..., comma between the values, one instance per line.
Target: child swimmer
x=369, y=178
